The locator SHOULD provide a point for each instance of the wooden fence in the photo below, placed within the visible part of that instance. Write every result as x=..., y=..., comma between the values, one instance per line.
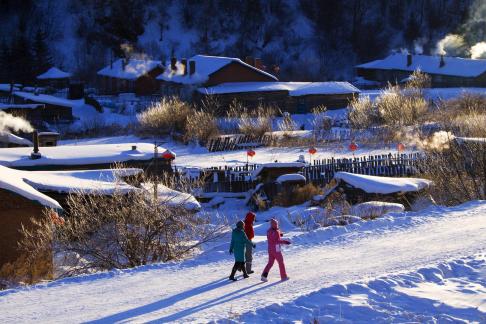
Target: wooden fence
x=237, y=142
x=238, y=179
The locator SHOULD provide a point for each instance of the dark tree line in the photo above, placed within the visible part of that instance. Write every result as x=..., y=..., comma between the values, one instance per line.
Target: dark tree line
x=307, y=39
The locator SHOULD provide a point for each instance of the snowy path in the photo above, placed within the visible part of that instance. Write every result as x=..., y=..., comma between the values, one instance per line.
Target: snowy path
x=199, y=291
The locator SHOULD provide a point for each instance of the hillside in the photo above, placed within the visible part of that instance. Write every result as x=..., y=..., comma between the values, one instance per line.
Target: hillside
x=306, y=39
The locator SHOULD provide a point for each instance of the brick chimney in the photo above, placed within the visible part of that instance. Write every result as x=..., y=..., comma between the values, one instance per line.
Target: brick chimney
x=173, y=63
x=409, y=59
x=192, y=67
x=249, y=60
x=184, y=66
x=124, y=63
x=442, y=61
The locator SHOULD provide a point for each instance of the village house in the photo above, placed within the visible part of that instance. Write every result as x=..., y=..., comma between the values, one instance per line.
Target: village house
x=206, y=71
x=444, y=71
x=54, y=78
x=40, y=108
x=27, y=195
x=89, y=157
x=130, y=75
x=292, y=97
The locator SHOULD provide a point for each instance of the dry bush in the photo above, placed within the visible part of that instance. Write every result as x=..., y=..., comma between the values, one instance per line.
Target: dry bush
x=123, y=230
x=418, y=81
x=458, y=170
x=256, y=122
x=401, y=108
x=362, y=113
x=297, y=196
x=200, y=127
x=167, y=116
x=287, y=124
x=27, y=269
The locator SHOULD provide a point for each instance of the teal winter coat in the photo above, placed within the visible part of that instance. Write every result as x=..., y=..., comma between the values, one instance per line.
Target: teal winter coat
x=239, y=240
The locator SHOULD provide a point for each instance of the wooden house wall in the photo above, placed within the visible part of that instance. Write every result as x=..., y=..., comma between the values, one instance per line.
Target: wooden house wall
x=15, y=212
x=281, y=99
x=236, y=72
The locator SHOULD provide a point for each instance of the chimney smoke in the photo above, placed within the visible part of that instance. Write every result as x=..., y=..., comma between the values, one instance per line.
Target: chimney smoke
x=184, y=66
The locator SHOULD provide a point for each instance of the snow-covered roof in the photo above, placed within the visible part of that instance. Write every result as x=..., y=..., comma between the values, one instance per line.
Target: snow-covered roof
x=205, y=66
x=294, y=88
x=19, y=106
x=454, y=66
x=5, y=87
x=7, y=137
x=134, y=68
x=87, y=181
x=291, y=177
x=174, y=198
x=382, y=185
x=54, y=73
x=12, y=180
x=48, y=99
x=275, y=165
x=77, y=154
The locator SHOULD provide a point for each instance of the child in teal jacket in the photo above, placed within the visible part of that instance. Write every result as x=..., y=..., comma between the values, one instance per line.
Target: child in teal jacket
x=239, y=240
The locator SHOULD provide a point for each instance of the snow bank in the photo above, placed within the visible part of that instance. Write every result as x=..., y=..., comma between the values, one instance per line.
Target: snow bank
x=373, y=209
x=77, y=154
x=382, y=185
x=291, y=177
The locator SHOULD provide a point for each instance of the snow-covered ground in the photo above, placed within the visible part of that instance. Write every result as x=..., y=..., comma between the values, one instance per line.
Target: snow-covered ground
x=428, y=266
x=190, y=156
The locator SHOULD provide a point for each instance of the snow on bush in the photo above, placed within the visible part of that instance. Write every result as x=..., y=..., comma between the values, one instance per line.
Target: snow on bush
x=374, y=209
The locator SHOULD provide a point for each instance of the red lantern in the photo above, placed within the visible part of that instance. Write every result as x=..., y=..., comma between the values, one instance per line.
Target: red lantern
x=168, y=155
x=250, y=153
x=312, y=151
x=400, y=147
x=353, y=146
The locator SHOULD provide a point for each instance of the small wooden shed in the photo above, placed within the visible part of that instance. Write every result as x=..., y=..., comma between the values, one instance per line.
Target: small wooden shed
x=54, y=78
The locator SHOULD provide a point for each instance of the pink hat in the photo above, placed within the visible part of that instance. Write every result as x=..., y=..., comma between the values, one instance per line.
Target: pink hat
x=274, y=223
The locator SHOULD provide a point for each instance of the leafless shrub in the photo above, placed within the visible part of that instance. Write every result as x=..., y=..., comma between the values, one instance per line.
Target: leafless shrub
x=122, y=230
x=167, y=116
x=256, y=122
x=287, y=124
x=458, y=170
x=401, y=108
x=297, y=196
x=201, y=126
x=362, y=113
x=417, y=82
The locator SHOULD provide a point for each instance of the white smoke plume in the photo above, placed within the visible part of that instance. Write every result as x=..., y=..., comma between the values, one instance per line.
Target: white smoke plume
x=438, y=141
x=452, y=45
x=9, y=122
x=478, y=51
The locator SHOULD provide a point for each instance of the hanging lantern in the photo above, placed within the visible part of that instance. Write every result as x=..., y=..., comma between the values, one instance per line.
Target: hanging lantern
x=250, y=153
x=353, y=146
x=312, y=151
x=168, y=155
x=400, y=147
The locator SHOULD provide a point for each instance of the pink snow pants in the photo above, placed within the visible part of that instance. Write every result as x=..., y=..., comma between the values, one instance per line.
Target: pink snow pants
x=272, y=256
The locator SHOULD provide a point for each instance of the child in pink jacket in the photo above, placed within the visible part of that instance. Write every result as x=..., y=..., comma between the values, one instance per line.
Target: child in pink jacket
x=275, y=251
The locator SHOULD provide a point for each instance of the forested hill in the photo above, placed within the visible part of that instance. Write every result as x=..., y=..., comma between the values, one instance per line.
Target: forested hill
x=307, y=39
